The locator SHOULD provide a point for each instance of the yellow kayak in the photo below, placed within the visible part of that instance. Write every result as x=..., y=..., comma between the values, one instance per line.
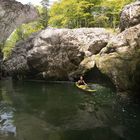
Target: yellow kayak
x=85, y=87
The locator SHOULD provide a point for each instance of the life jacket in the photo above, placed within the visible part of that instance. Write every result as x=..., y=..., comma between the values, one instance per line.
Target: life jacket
x=81, y=82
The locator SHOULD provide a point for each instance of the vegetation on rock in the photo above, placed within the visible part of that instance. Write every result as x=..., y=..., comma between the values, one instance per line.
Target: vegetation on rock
x=25, y=30
x=69, y=14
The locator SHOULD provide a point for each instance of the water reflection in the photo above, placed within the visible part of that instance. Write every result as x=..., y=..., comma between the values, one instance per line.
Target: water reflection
x=6, y=123
x=7, y=126
x=63, y=112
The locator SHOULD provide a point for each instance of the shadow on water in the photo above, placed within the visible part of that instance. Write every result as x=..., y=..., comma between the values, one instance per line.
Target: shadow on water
x=60, y=111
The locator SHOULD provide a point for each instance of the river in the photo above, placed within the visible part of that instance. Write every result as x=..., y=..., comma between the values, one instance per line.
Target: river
x=60, y=111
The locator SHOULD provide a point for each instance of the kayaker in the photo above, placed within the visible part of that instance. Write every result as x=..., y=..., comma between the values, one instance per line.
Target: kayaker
x=81, y=81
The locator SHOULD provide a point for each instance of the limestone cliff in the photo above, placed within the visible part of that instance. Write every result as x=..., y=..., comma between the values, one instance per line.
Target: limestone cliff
x=130, y=15
x=56, y=52
x=120, y=60
x=13, y=14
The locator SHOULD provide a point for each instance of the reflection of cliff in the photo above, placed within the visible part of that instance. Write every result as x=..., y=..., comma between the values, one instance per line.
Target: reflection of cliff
x=55, y=112
x=61, y=111
x=6, y=115
x=7, y=119
x=6, y=110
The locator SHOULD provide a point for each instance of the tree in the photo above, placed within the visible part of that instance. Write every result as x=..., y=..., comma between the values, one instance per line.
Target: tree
x=44, y=17
x=21, y=33
x=45, y=3
x=113, y=9
x=86, y=13
x=70, y=14
x=25, y=30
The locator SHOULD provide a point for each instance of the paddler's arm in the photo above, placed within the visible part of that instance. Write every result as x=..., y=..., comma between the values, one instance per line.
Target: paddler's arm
x=78, y=82
x=84, y=83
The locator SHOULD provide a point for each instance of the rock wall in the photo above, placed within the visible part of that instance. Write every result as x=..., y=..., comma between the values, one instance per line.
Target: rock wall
x=120, y=59
x=130, y=16
x=13, y=14
x=57, y=53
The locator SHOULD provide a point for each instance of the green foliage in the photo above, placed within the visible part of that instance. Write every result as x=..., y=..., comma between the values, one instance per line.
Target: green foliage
x=43, y=12
x=21, y=33
x=71, y=13
x=112, y=9
x=86, y=13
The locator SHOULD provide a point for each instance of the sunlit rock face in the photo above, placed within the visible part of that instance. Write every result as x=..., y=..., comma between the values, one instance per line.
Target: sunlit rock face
x=13, y=14
x=120, y=60
x=130, y=15
x=56, y=52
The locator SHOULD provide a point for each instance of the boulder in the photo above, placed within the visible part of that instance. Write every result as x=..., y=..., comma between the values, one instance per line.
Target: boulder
x=56, y=53
x=13, y=14
x=130, y=15
x=120, y=59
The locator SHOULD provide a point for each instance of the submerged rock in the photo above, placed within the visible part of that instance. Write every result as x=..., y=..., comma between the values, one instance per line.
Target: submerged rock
x=13, y=14
x=56, y=52
x=130, y=15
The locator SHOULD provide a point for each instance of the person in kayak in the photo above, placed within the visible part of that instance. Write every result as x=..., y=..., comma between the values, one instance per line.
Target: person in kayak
x=81, y=81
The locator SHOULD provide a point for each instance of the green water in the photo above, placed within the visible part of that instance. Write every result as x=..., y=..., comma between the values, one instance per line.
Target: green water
x=60, y=111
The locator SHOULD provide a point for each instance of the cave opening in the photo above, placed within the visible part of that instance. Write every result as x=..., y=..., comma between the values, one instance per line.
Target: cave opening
x=95, y=76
